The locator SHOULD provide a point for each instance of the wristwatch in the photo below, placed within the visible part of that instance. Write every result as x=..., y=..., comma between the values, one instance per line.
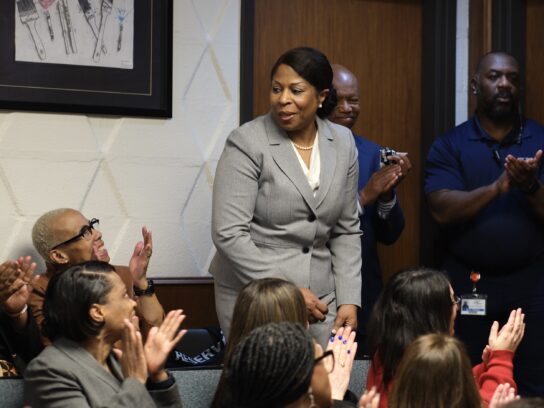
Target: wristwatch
x=145, y=292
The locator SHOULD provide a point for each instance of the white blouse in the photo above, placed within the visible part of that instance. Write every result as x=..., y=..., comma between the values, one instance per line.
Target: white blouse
x=312, y=173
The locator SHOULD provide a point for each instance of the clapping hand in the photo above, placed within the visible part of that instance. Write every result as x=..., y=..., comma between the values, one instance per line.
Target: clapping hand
x=132, y=357
x=510, y=335
x=16, y=283
x=502, y=396
x=370, y=399
x=523, y=172
x=161, y=340
x=140, y=259
x=344, y=348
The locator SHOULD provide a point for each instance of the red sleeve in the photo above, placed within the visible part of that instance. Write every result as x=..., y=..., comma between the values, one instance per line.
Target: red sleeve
x=499, y=370
x=371, y=380
x=375, y=378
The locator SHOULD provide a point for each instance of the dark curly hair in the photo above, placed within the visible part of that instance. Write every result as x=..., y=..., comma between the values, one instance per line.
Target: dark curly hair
x=314, y=67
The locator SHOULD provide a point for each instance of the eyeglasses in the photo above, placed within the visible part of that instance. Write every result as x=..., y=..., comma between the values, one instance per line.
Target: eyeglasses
x=86, y=232
x=456, y=300
x=328, y=359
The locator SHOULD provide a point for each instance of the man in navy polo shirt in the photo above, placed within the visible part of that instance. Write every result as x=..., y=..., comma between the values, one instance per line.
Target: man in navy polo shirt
x=381, y=216
x=483, y=186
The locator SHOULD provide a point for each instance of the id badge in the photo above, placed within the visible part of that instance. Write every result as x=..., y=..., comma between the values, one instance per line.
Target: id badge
x=474, y=304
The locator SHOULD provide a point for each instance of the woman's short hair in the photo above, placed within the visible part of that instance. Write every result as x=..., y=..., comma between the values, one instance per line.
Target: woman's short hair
x=435, y=372
x=265, y=301
x=69, y=297
x=413, y=302
x=43, y=233
x=271, y=367
x=314, y=67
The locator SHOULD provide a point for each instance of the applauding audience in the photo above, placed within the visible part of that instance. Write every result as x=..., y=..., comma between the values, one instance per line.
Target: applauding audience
x=87, y=309
x=421, y=301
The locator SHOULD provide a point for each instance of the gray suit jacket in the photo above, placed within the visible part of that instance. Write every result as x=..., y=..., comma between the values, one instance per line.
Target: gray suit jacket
x=66, y=375
x=266, y=221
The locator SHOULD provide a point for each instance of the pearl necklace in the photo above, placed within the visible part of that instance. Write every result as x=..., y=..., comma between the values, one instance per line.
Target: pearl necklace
x=303, y=147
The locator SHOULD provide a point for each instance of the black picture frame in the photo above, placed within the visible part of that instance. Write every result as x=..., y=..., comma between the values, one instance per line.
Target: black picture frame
x=145, y=90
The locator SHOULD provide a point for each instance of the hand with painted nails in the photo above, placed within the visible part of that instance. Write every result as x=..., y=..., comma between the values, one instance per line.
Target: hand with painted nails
x=344, y=348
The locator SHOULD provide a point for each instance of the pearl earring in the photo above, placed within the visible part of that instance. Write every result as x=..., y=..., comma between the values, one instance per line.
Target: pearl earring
x=320, y=105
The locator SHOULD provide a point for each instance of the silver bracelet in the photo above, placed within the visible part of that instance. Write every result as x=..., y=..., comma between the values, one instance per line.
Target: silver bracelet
x=22, y=312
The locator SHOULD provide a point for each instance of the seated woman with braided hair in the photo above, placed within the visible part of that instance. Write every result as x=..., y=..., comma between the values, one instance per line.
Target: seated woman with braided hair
x=278, y=365
x=273, y=300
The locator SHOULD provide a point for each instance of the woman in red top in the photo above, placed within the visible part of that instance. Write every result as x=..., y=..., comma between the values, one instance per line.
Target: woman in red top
x=421, y=301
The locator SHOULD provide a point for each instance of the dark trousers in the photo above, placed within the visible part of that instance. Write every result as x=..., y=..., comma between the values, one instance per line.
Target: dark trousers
x=506, y=291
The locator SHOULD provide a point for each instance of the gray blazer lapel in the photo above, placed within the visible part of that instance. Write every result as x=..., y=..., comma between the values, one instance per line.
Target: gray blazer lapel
x=87, y=362
x=287, y=160
x=327, y=152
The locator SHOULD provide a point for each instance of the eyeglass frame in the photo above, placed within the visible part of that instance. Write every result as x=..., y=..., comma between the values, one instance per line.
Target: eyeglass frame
x=84, y=230
x=323, y=356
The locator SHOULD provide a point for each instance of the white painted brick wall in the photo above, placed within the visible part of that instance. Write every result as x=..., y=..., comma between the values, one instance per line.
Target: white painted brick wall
x=130, y=171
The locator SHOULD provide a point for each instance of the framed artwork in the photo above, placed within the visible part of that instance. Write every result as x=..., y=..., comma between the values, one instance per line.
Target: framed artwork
x=109, y=57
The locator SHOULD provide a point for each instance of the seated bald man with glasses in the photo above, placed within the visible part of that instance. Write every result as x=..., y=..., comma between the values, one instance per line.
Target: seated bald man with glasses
x=64, y=237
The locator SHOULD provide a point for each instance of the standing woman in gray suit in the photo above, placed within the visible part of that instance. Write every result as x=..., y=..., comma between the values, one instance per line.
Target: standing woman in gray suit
x=284, y=199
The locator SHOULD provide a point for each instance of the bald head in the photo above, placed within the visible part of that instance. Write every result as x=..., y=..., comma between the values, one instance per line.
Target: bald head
x=45, y=232
x=492, y=58
x=347, y=90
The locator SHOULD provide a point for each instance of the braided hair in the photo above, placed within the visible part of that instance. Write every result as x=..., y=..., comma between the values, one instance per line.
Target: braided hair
x=270, y=368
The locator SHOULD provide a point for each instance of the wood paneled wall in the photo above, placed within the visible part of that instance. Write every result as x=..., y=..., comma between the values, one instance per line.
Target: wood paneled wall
x=381, y=42
x=480, y=26
x=534, y=63
x=194, y=296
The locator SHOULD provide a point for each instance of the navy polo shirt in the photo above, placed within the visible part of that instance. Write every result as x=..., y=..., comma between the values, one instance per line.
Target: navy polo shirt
x=506, y=234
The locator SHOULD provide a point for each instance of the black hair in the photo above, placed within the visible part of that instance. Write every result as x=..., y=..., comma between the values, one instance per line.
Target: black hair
x=271, y=367
x=314, y=67
x=69, y=297
x=414, y=302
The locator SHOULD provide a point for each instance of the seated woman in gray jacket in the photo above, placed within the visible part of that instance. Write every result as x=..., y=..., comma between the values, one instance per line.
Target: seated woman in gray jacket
x=87, y=310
